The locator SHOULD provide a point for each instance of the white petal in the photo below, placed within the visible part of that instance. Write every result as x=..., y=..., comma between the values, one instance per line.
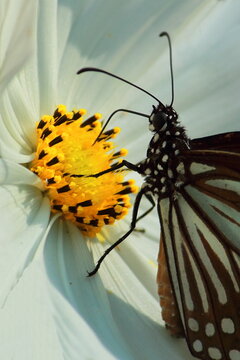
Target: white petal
x=17, y=21
x=135, y=308
x=14, y=174
x=27, y=330
x=23, y=221
x=47, y=54
x=33, y=92
x=84, y=300
x=17, y=121
x=115, y=310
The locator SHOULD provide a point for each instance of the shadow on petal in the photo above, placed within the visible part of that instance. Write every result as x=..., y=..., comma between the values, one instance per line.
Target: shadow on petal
x=120, y=328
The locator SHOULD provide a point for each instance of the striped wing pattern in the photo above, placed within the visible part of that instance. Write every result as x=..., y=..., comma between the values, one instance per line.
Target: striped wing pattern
x=201, y=240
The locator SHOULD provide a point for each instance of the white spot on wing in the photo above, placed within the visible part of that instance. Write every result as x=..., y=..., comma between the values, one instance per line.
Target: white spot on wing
x=193, y=324
x=209, y=329
x=228, y=326
x=197, y=345
x=234, y=354
x=214, y=353
x=198, y=168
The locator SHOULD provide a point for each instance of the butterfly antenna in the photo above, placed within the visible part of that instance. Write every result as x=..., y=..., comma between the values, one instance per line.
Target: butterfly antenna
x=164, y=33
x=119, y=78
x=116, y=111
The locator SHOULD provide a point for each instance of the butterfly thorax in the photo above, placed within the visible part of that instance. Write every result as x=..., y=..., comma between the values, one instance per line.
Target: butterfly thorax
x=163, y=167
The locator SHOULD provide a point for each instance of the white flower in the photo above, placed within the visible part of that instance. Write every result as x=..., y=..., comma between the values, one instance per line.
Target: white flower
x=49, y=308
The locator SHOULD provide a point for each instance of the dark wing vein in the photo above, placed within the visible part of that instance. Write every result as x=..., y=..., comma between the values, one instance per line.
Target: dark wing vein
x=201, y=239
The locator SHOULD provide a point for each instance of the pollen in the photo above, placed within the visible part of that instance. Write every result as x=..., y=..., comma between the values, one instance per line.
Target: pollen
x=69, y=152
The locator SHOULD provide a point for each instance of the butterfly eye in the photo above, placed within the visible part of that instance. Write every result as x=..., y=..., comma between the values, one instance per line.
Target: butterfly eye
x=158, y=121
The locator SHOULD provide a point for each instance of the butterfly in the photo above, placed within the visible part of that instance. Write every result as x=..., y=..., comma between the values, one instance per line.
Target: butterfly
x=196, y=187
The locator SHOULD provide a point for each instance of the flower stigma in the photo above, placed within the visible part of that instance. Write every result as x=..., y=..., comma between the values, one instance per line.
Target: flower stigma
x=67, y=146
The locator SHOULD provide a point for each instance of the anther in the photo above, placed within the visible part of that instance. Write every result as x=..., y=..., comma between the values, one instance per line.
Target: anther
x=53, y=161
x=56, y=140
x=85, y=203
x=42, y=154
x=41, y=124
x=63, y=189
x=89, y=121
x=61, y=120
x=45, y=133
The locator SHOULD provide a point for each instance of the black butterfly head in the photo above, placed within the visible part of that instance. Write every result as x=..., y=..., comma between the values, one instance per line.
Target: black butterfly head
x=161, y=117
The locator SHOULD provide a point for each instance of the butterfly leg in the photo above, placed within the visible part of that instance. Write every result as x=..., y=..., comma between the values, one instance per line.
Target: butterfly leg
x=132, y=227
x=126, y=163
x=151, y=199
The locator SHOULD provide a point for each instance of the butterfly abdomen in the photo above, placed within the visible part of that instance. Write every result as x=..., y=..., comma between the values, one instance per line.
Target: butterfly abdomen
x=170, y=312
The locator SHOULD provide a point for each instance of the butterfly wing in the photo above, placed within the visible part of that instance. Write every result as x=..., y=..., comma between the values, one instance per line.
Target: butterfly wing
x=200, y=228
x=229, y=141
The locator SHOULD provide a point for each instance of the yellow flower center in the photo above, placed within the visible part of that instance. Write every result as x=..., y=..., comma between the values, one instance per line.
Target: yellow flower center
x=66, y=147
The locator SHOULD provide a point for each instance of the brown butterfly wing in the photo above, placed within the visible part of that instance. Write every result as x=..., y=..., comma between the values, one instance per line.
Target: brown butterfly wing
x=226, y=142
x=200, y=230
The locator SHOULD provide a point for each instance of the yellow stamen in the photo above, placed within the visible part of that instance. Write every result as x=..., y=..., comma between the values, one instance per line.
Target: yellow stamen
x=67, y=147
